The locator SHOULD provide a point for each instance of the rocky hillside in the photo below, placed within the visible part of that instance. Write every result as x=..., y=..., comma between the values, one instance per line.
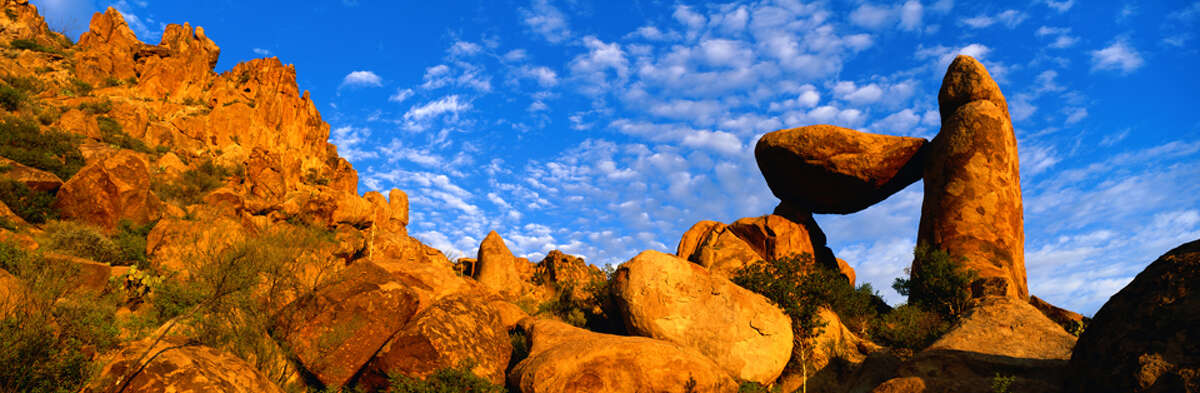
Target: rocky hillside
x=167, y=228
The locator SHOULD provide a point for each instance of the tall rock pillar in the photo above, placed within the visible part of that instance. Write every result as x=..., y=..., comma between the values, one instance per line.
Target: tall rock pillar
x=972, y=205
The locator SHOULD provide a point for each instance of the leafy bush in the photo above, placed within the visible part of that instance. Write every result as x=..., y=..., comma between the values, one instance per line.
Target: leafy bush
x=457, y=379
x=98, y=107
x=80, y=87
x=111, y=133
x=25, y=83
x=11, y=98
x=191, y=185
x=754, y=387
x=130, y=241
x=942, y=285
x=1000, y=384
x=5, y=223
x=799, y=299
x=32, y=206
x=26, y=44
x=81, y=240
x=520, y=347
x=47, y=115
x=52, y=151
x=909, y=327
x=45, y=340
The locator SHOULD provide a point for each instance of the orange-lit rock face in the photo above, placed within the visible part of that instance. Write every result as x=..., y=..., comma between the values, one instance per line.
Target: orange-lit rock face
x=829, y=169
x=182, y=368
x=667, y=298
x=109, y=190
x=972, y=205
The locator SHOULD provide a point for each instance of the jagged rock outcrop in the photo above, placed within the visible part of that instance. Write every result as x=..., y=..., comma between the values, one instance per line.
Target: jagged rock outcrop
x=497, y=268
x=829, y=169
x=1146, y=338
x=33, y=178
x=178, y=368
x=1000, y=335
x=24, y=22
x=972, y=206
x=454, y=330
x=569, y=359
x=667, y=298
x=110, y=190
x=340, y=328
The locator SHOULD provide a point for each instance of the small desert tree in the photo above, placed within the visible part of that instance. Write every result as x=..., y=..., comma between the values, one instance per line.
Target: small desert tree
x=941, y=285
x=798, y=298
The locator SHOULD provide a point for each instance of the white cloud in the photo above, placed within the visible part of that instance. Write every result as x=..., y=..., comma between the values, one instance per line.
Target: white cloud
x=872, y=16
x=418, y=117
x=546, y=21
x=349, y=141
x=1060, y=6
x=463, y=48
x=1062, y=36
x=1119, y=56
x=401, y=95
x=362, y=79
x=544, y=76
x=261, y=51
x=718, y=141
x=910, y=15
x=1075, y=114
x=1008, y=18
x=858, y=95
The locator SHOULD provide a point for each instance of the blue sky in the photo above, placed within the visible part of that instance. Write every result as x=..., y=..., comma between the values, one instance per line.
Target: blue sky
x=607, y=128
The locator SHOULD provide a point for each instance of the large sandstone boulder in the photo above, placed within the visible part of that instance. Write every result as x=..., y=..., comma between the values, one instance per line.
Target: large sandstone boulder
x=564, y=358
x=713, y=245
x=337, y=330
x=1003, y=336
x=667, y=298
x=33, y=178
x=829, y=169
x=1146, y=338
x=458, y=328
x=496, y=267
x=972, y=205
x=110, y=190
x=178, y=368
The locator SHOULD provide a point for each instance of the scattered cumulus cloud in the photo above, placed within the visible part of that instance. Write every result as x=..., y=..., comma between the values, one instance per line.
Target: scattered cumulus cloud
x=546, y=21
x=362, y=79
x=1120, y=57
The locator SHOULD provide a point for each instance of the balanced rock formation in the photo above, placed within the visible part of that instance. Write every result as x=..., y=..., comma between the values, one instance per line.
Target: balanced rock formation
x=457, y=329
x=564, y=358
x=972, y=206
x=178, y=368
x=1146, y=338
x=829, y=169
x=340, y=328
x=667, y=298
x=110, y=190
x=999, y=335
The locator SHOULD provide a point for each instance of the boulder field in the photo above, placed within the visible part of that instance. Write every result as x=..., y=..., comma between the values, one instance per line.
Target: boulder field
x=321, y=287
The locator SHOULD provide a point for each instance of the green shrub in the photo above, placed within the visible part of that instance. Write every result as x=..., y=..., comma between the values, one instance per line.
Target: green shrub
x=130, y=241
x=111, y=82
x=5, y=223
x=96, y=107
x=81, y=240
x=80, y=87
x=47, y=115
x=520, y=347
x=26, y=83
x=11, y=98
x=43, y=340
x=26, y=44
x=52, y=151
x=1000, y=384
x=909, y=327
x=111, y=133
x=942, y=285
x=32, y=206
x=191, y=185
x=457, y=379
x=754, y=387
x=798, y=298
